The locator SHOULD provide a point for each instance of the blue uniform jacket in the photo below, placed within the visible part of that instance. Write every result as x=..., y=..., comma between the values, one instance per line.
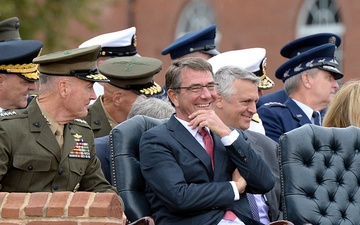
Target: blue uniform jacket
x=279, y=118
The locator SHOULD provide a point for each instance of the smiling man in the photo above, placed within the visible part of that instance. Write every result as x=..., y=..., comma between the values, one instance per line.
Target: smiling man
x=310, y=82
x=17, y=72
x=196, y=168
x=236, y=104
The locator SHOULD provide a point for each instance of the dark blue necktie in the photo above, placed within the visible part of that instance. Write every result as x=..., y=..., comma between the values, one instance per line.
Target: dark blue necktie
x=253, y=206
x=316, y=117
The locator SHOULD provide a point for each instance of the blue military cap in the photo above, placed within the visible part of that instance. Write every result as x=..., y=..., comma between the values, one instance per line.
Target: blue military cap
x=201, y=40
x=9, y=29
x=321, y=57
x=300, y=45
x=16, y=58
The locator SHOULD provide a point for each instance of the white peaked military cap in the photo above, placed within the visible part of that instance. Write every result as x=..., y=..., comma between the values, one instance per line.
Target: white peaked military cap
x=251, y=59
x=115, y=44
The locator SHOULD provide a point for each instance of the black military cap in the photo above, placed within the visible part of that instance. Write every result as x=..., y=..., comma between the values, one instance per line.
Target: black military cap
x=133, y=73
x=303, y=44
x=321, y=57
x=9, y=29
x=201, y=40
x=16, y=58
x=78, y=62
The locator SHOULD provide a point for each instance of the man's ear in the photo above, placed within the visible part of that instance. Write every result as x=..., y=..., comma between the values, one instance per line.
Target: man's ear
x=63, y=87
x=118, y=97
x=173, y=97
x=305, y=78
x=2, y=79
x=219, y=100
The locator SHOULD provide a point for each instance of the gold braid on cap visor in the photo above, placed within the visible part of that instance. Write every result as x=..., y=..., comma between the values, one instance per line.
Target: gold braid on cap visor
x=27, y=70
x=151, y=90
x=96, y=77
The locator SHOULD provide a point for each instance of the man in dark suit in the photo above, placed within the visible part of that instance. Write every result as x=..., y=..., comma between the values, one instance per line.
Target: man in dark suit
x=189, y=181
x=310, y=82
x=235, y=105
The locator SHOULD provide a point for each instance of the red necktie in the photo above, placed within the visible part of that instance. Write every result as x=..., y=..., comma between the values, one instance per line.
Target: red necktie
x=209, y=145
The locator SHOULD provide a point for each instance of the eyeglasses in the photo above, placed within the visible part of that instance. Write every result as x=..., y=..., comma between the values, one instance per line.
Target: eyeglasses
x=197, y=88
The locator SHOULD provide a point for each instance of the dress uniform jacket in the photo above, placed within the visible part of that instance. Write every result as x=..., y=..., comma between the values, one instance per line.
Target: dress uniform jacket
x=97, y=119
x=279, y=118
x=277, y=96
x=31, y=159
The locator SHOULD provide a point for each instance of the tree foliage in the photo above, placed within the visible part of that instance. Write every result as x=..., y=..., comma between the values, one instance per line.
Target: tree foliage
x=49, y=19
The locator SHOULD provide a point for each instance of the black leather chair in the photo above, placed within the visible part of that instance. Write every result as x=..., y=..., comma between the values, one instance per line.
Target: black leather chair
x=320, y=175
x=125, y=168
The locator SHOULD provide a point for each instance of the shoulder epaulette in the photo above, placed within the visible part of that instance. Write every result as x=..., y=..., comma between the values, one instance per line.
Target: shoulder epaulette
x=271, y=104
x=10, y=114
x=80, y=121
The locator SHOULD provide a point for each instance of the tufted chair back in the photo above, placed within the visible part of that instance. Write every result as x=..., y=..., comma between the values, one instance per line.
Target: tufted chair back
x=125, y=169
x=320, y=175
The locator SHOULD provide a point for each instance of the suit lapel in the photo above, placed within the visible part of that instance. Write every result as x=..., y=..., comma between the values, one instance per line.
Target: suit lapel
x=297, y=112
x=38, y=124
x=220, y=158
x=180, y=133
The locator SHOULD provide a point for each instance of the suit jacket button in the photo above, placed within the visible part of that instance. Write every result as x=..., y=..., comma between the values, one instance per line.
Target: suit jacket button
x=97, y=122
x=37, y=124
x=60, y=171
x=55, y=187
x=30, y=167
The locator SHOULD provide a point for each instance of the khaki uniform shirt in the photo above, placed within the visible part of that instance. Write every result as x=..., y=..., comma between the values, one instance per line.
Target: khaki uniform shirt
x=31, y=159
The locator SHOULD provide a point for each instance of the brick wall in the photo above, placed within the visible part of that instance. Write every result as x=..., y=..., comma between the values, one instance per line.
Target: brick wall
x=65, y=208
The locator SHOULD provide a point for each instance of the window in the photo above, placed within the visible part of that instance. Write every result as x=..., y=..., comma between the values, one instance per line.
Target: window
x=196, y=15
x=318, y=16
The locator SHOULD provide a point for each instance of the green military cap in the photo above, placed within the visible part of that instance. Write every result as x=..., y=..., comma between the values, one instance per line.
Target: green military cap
x=133, y=73
x=9, y=29
x=78, y=62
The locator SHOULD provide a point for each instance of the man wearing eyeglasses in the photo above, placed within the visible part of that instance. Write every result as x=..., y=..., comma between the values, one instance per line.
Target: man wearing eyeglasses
x=190, y=175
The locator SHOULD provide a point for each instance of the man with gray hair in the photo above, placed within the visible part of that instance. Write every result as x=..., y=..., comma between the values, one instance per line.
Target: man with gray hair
x=310, y=82
x=235, y=105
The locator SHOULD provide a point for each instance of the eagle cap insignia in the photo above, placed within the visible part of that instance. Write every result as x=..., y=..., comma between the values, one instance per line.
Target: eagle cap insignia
x=286, y=74
x=332, y=40
x=298, y=68
x=77, y=136
x=310, y=64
